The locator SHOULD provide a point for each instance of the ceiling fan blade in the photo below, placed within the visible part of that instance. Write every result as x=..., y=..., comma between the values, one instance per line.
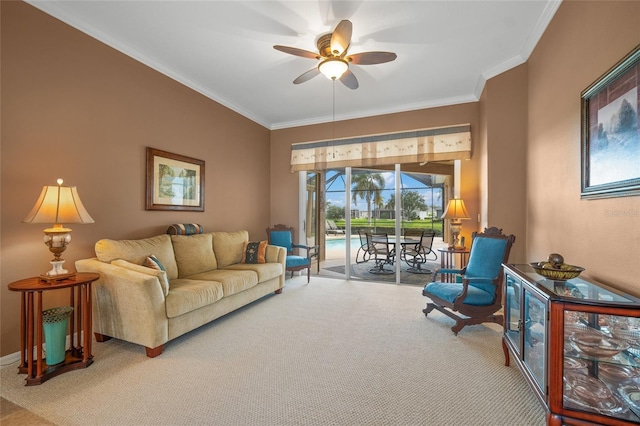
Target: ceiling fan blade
x=297, y=52
x=307, y=76
x=349, y=79
x=341, y=37
x=371, y=58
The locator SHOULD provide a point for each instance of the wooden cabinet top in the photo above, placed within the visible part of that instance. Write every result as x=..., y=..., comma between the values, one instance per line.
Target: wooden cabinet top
x=576, y=290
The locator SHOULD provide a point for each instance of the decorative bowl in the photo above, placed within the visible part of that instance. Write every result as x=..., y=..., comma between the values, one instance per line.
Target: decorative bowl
x=591, y=394
x=587, y=388
x=632, y=337
x=562, y=273
x=617, y=374
x=575, y=365
x=631, y=395
x=598, y=346
x=578, y=327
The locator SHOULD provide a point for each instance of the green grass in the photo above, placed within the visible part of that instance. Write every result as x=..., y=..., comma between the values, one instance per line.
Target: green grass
x=389, y=225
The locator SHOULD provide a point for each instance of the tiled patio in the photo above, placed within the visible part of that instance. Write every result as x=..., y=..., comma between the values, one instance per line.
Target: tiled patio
x=335, y=257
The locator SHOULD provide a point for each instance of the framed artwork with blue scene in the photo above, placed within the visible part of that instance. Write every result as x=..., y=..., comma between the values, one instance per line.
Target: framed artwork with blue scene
x=611, y=132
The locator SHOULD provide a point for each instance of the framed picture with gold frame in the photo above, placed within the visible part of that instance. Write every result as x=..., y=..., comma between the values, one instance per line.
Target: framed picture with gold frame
x=611, y=132
x=174, y=182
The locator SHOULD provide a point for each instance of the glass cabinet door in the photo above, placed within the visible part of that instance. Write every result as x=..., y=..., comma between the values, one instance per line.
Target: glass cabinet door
x=535, y=337
x=601, y=371
x=512, y=310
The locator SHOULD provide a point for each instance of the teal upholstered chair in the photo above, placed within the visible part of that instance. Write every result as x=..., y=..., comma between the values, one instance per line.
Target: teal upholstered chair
x=282, y=235
x=479, y=294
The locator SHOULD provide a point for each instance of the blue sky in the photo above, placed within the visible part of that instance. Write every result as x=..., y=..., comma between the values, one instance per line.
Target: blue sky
x=335, y=193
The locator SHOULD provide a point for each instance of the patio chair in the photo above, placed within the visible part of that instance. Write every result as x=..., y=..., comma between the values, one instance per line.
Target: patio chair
x=479, y=294
x=282, y=235
x=417, y=254
x=363, y=249
x=332, y=228
x=378, y=248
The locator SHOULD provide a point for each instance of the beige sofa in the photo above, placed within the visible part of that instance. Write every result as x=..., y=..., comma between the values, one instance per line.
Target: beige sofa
x=203, y=279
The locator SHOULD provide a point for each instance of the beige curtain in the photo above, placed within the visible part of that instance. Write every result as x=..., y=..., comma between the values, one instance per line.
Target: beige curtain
x=417, y=146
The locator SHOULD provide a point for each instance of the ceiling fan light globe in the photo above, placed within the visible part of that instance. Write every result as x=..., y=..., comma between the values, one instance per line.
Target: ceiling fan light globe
x=333, y=68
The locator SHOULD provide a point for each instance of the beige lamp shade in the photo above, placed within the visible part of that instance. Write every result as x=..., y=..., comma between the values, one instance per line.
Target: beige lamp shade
x=57, y=205
x=455, y=210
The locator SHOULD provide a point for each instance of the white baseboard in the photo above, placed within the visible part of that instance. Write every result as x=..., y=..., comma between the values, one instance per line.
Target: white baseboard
x=7, y=360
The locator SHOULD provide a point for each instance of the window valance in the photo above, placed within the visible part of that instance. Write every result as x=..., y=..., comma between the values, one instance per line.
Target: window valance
x=417, y=146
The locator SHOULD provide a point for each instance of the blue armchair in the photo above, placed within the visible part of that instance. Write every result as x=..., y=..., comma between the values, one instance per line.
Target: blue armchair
x=282, y=235
x=479, y=294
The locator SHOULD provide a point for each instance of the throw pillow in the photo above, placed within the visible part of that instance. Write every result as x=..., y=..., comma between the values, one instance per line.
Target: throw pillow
x=162, y=275
x=152, y=262
x=254, y=252
x=136, y=251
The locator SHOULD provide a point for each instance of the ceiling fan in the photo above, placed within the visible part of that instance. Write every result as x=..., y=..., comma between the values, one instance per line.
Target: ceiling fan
x=333, y=57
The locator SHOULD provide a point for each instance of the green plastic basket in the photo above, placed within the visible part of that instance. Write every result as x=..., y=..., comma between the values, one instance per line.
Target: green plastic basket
x=55, y=322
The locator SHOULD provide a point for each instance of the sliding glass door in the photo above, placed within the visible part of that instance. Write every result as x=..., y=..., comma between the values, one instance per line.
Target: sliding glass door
x=363, y=201
x=310, y=211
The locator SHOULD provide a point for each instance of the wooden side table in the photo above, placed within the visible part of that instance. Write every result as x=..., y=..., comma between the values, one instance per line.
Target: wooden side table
x=448, y=261
x=79, y=354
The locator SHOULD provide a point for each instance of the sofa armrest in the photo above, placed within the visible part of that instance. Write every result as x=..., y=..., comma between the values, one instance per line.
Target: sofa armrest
x=127, y=304
x=277, y=254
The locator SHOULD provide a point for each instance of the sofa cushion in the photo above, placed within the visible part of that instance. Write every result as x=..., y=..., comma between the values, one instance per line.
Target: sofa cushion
x=449, y=292
x=136, y=251
x=186, y=295
x=194, y=254
x=265, y=271
x=233, y=281
x=254, y=252
x=229, y=246
x=161, y=274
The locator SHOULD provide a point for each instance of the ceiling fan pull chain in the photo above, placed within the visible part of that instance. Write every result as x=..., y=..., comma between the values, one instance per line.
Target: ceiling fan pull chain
x=333, y=122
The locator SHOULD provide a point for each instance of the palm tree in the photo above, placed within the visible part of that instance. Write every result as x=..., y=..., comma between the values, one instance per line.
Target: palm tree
x=412, y=203
x=368, y=187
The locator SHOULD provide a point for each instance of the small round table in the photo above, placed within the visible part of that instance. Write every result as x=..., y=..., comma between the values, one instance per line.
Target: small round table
x=448, y=261
x=79, y=354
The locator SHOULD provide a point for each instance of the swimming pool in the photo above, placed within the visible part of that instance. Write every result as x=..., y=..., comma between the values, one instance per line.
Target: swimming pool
x=339, y=243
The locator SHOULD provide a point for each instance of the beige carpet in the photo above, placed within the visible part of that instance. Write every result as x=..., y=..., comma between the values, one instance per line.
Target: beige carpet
x=329, y=353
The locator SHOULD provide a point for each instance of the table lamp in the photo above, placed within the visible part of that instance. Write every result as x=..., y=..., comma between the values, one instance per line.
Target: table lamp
x=454, y=212
x=58, y=204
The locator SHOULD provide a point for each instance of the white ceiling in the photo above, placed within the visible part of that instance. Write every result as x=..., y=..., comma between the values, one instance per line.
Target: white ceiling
x=224, y=49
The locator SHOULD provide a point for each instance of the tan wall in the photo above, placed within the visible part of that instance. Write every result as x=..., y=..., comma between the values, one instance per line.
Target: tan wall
x=582, y=42
x=74, y=108
x=504, y=111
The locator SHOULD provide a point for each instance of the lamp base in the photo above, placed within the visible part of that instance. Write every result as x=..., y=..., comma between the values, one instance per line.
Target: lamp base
x=54, y=278
x=57, y=272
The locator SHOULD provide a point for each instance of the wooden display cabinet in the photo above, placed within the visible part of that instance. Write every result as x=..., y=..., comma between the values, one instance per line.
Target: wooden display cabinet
x=577, y=343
